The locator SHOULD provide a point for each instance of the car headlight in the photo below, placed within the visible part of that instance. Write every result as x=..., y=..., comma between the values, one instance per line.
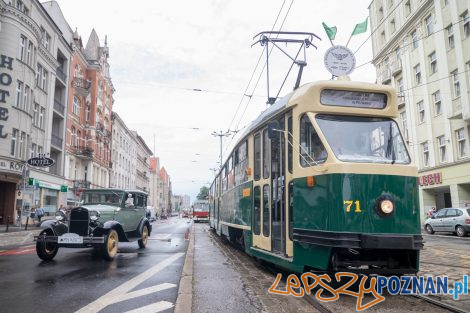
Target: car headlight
x=59, y=215
x=94, y=215
x=385, y=206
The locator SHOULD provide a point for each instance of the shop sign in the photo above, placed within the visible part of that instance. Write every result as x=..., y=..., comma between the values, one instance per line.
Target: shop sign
x=11, y=165
x=48, y=185
x=6, y=63
x=430, y=179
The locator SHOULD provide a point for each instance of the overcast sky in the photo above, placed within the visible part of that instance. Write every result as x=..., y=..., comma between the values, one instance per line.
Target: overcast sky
x=160, y=51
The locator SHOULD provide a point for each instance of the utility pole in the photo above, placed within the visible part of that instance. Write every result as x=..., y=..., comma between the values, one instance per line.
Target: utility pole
x=221, y=134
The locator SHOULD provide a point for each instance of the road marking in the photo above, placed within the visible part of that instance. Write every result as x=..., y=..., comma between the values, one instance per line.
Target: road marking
x=141, y=292
x=23, y=250
x=121, y=291
x=153, y=308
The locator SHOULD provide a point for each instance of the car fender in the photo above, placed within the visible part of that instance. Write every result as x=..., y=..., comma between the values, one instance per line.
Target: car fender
x=58, y=228
x=144, y=221
x=116, y=226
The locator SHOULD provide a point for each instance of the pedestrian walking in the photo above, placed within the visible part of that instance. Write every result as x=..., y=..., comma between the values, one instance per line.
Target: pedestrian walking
x=40, y=213
x=32, y=214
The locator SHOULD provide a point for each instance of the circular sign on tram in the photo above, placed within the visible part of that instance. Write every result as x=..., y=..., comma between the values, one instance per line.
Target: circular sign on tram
x=339, y=60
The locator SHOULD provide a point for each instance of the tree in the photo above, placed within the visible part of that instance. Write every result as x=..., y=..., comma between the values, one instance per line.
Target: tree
x=203, y=193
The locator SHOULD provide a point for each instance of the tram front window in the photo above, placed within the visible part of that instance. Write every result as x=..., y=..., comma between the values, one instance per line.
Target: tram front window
x=364, y=139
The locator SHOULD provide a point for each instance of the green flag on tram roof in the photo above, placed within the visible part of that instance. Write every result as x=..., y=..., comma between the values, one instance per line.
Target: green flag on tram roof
x=360, y=28
x=330, y=31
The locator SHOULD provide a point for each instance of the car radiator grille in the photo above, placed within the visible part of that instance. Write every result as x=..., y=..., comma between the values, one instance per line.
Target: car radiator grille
x=79, y=221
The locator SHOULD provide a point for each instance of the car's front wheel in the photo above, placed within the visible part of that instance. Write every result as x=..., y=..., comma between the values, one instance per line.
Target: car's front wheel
x=460, y=231
x=46, y=250
x=110, y=246
x=145, y=236
x=429, y=229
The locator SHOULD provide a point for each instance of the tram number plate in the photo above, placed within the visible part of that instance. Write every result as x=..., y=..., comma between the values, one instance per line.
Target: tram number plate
x=70, y=238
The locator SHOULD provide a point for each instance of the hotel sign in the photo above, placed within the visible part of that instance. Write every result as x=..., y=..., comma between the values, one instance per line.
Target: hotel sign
x=41, y=161
x=430, y=179
x=6, y=63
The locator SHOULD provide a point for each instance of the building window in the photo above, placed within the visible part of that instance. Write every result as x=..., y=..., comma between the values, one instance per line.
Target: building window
x=382, y=37
x=40, y=150
x=450, y=37
x=21, y=145
x=14, y=136
x=407, y=8
x=29, y=53
x=404, y=125
x=22, y=48
x=392, y=26
x=445, y=3
x=417, y=69
x=26, y=94
x=79, y=137
x=88, y=113
x=38, y=75
x=421, y=112
x=461, y=142
x=456, y=83
x=437, y=102
x=44, y=79
x=42, y=113
x=398, y=53
x=425, y=149
x=381, y=13
x=429, y=25
x=466, y=24
x=414, y=39
x=36, y=114
x=32, y=152
x=441, y=140
x=19, y=94
x=76, y=105
x=73, y=138
x=433, y=62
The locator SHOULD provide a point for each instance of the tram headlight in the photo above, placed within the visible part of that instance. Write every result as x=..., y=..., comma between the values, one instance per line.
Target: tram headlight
x=94, y=215
x=385, y=205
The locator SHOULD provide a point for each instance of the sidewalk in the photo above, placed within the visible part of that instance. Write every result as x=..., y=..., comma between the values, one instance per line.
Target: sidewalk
x=17, y=235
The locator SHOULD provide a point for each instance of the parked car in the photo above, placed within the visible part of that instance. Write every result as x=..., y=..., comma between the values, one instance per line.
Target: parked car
x=456, y=220
x=104, y=217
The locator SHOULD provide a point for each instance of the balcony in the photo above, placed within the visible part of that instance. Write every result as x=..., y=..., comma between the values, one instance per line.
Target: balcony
x=81, y=86
x=82, y=152
x=81, y=184
x=56, y=141
x=384, y=77
x=59, y=107
x=396, y=67
x=61, y=75
x=400, y=100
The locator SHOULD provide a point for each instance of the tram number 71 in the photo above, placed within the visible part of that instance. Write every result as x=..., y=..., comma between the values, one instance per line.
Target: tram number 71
x=350, y=203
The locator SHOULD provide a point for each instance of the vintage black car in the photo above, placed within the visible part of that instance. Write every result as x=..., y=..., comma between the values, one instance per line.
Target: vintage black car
x=104, y=218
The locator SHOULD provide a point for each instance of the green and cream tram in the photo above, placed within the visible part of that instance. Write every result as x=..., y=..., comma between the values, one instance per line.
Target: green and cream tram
x=322, y=181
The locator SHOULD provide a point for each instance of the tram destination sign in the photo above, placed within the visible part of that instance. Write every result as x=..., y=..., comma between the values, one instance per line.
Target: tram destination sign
x=41, y=161
x=357, y=99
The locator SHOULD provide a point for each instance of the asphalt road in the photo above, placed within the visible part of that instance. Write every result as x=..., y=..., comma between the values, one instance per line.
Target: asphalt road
x=143, y=280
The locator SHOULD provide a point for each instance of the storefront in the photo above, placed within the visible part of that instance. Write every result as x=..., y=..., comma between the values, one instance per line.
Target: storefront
x=10, y=173
x=445, y=187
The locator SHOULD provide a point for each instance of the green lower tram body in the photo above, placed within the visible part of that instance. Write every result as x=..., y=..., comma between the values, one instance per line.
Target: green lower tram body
x=329, y=237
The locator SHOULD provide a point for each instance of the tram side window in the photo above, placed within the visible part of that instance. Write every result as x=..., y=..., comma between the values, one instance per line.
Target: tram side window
x=256, y=210
x=241, y=161
x=257, y=152
x=266, y=209
x=312, y=150
x=266, y=154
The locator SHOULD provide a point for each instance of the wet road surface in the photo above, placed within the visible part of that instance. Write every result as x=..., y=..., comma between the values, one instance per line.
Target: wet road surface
x=76, y=281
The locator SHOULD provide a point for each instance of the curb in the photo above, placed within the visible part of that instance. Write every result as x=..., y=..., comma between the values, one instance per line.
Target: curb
x=184, y=300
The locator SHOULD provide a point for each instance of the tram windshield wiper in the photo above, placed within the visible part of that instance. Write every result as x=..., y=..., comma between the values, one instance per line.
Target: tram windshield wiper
x=390, y=145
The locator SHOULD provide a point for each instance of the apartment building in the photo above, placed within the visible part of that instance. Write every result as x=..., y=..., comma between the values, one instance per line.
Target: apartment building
x=34, y=61
x=422, y=47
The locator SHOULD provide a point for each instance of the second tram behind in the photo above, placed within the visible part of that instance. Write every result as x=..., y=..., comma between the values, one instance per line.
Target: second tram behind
x=322, y=181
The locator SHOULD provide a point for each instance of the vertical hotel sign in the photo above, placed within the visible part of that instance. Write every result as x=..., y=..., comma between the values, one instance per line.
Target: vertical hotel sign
x=6, y=67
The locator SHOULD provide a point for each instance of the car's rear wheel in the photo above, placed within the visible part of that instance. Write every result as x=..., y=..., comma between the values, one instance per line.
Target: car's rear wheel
x=460, y=231
x=145, y=236
x=429, y=229
x=110, y=246
x=46, y=250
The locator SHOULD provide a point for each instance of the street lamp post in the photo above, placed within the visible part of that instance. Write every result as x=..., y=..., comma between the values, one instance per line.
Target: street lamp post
x=221, y=134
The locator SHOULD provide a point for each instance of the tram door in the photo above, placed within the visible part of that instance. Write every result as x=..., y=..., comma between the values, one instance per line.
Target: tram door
x=278, y=167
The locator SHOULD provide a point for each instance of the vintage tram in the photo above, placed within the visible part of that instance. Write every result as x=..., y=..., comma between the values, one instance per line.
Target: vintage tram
x=323, y=181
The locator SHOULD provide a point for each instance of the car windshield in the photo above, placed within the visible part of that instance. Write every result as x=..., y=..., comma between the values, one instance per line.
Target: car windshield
x=109, y=197
x=364, y=139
